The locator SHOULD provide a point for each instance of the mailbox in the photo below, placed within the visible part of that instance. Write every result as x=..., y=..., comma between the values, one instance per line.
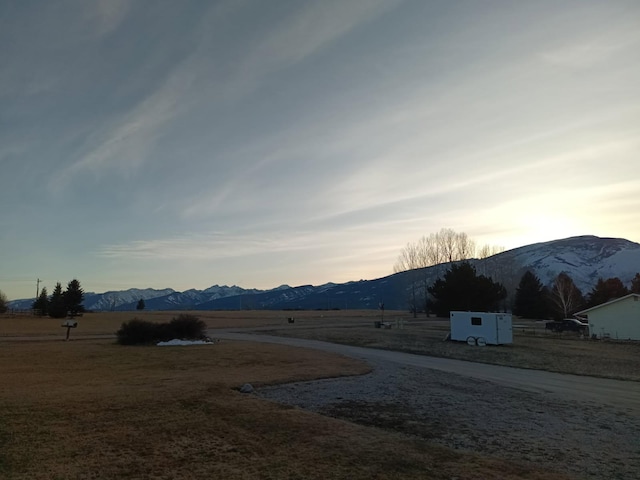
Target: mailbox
x=69, y=324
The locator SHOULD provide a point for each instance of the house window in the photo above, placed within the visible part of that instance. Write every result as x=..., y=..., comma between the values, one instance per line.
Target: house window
x=476, y=321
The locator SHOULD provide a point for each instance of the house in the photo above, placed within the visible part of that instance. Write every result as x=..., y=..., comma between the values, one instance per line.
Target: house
x=619, y=318
x=481, y=328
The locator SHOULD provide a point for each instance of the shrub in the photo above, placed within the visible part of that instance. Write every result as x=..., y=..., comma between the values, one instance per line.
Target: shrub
x=187, y=327
x=137, y=332
x=140, y=332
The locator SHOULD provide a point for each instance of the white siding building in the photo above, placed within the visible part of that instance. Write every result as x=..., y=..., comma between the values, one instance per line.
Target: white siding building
x=617, y=319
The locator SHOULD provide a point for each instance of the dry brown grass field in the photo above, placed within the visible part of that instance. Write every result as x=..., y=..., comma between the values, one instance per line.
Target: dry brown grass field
x=90, y=409
x=106, y=323
x=102, y=323
x=533, y=347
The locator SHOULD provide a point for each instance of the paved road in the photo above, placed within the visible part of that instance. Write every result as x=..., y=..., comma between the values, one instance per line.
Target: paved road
x=617, y=393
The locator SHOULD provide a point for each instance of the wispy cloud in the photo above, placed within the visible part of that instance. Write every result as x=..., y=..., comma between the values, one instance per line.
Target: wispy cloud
x=595, y=49
x=315, y=26
x=307, y=30
x=108, y=14
x=308, y=140
x=124, y=144
x=214, y=245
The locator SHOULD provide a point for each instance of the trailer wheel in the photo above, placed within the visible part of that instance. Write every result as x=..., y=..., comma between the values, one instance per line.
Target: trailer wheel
x=471, y=341
x=481, y=342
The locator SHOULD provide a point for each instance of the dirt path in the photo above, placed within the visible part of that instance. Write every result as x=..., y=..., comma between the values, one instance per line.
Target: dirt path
x=586, y=427
x=617, y=393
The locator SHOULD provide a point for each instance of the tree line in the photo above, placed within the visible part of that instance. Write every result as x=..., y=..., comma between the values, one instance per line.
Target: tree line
x=445, y=246
x=438, y=248
x=461, y=287
x=564, y=298
x=60, y=303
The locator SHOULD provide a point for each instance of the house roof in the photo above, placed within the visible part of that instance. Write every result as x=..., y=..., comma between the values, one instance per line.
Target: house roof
x=608, y=303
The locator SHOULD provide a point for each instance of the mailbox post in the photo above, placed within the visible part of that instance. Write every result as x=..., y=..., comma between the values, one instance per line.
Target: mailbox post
x=69, y=324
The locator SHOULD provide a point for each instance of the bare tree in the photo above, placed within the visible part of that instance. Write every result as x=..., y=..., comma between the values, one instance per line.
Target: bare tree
x=428, y=255
x=454, y=246
x=565, y=296
x=447, y=242
x=438, y=248
x=487, y=251
x=434, y=253
x=465, y=247
x=441, y=248
x=408, y=261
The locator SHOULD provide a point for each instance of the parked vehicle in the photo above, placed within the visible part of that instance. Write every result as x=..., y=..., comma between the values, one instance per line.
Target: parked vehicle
x=567, y=325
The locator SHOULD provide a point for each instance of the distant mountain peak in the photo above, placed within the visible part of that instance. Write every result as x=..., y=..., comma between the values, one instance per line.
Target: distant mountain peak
x=585, y=258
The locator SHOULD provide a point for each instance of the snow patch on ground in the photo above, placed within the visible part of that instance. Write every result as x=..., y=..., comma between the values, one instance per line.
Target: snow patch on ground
x=176, y=342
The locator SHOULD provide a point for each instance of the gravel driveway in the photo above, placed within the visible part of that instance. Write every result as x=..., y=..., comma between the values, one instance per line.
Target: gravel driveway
x=588, y=439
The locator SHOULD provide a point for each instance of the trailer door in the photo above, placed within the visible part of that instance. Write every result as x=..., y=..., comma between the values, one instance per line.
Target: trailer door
x=504, y=333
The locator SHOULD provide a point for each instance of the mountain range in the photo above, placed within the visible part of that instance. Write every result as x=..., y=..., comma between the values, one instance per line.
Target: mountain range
x=584, y=258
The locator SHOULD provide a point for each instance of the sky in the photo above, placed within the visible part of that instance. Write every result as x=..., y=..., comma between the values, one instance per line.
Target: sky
x=163, y=144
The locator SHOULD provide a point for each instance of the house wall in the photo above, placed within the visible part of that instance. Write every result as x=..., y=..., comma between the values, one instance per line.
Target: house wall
x=620, y=320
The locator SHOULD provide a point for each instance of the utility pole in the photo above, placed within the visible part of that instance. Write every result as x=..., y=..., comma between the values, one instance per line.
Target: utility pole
x=38, y=288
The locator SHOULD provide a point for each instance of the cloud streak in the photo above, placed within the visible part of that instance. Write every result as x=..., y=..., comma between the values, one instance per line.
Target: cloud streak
x=310, y=29
x=287, y=142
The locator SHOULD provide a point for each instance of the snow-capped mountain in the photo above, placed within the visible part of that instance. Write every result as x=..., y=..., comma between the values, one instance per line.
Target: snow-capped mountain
x=194, y=298
x=584, y=258
x=113, y=300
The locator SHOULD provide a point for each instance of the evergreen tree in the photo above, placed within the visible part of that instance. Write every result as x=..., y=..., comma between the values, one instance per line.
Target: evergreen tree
x=73, y=297
x=3, y=302
x=42, y=302
x=635, y=284
x=565, y=297
x=57, y=307
x=531, y=297
x=462, y=289
x=140, y=305
x=606, y=290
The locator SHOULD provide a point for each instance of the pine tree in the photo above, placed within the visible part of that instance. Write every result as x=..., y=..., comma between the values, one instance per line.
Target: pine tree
x=635, y=284
x=462, y=289
x=531, y=297
x=3, y=302
x=606, y=290
x=73, y=297
x=57, y=307
x=42, y=302
x=140, y=305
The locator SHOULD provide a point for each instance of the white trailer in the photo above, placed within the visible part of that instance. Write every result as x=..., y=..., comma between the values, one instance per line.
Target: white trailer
x=481, y=328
